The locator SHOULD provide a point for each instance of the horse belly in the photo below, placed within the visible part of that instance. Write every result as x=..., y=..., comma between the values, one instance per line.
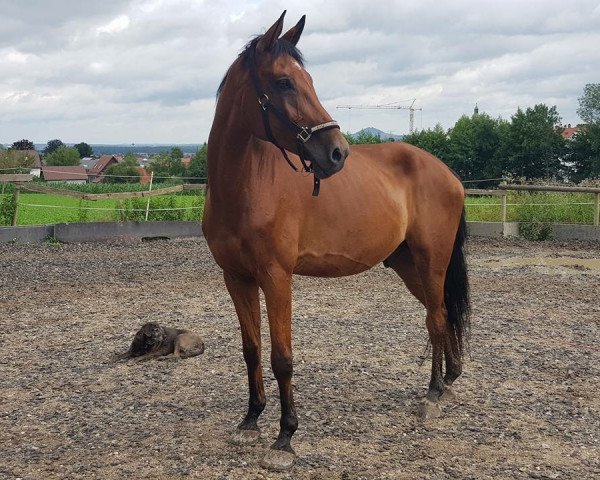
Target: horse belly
x=348, y=255
x=330, y=265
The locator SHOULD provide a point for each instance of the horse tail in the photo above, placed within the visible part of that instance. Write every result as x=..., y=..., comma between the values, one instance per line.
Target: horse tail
x=456, y=289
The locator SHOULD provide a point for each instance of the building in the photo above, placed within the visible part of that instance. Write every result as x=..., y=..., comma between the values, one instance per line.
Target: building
x=36, y=169
x=569, y=132
x=68, y=174
x=88, y=163
x=105, y=161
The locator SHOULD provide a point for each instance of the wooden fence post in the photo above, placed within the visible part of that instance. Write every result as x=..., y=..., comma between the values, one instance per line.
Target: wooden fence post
x=504, y=214
x=149, y=189
x=597, y=210
x=16, y=214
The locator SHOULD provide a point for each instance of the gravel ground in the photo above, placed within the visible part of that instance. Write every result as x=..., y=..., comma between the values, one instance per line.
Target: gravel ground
x=527, y=403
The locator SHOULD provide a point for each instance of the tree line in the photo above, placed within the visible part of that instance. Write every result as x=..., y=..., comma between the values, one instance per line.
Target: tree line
x=56, y=153
x=478, y=147
x=165, y=165
x=530, y=145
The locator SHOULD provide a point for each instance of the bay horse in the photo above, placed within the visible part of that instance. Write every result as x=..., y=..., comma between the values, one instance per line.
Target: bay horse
x=390, y=203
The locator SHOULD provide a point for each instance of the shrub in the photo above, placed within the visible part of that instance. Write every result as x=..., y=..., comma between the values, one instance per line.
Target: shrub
x=163, y=208
x=536, y=231
x=7, y=209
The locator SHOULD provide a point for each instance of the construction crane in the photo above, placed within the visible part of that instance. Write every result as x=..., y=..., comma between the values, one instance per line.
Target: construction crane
x=389, y=106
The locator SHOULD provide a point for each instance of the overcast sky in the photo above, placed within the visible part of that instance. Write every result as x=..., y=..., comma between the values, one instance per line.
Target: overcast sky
x=146, y=71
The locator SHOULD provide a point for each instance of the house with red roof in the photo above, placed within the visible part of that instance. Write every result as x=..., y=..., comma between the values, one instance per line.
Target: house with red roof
x=105, y=161
x=569, y=132
x=68, y=174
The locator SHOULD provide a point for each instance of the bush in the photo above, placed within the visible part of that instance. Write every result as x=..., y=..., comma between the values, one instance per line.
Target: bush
x=550, y=207
x=130, y=210
x=82, y=213
x=536, y=231
x=7, y=209
x=163, y=208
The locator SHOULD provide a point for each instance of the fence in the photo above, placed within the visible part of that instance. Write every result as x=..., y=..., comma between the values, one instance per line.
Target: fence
x=501, y=227
x=503, y=190
x=19, y=182
x=535, y=224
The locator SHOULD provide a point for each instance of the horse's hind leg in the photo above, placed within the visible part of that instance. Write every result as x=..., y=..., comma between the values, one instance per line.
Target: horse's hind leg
x=244, y=293
x=426, y=282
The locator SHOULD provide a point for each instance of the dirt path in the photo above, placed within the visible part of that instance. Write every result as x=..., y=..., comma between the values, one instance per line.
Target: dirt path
x=528, y=403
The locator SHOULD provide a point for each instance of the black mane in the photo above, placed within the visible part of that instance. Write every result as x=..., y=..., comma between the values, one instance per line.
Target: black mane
x=281, y=47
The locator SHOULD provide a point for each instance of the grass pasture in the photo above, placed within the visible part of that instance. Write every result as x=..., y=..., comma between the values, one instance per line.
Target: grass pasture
x=524, y=207
x=543, y=207
x=43, y=209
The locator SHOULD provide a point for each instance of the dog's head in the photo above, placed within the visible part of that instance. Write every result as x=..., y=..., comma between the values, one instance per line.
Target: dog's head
x=148, y=338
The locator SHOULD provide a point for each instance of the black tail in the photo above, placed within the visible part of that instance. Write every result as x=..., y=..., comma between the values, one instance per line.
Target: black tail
x=456, y=289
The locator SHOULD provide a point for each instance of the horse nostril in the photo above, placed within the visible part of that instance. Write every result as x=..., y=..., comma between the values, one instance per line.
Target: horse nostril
x=336, y=155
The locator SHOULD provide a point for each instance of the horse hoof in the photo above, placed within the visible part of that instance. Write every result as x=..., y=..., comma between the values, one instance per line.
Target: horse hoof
x=448, y=395
x=278, y=460
x=429, y=410
x=245, y=437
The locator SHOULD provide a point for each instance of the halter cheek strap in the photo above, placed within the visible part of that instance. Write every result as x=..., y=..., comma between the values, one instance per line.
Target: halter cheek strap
x=303, y=134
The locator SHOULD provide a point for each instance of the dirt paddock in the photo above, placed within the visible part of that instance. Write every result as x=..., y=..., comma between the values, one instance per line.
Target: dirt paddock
x=528, y=402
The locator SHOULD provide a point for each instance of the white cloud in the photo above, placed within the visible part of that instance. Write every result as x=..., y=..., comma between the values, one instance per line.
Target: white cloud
x=115, y=26
x=11, y=55
x=147, y=70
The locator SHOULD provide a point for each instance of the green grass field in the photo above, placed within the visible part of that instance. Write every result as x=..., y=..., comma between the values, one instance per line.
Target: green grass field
x=42, y=209
x=534, y=207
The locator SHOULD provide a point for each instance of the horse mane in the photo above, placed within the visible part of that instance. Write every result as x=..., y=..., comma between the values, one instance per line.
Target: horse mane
x=280, y=48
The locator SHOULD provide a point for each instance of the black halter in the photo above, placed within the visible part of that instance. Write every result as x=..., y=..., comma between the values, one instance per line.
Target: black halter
x=303, y=134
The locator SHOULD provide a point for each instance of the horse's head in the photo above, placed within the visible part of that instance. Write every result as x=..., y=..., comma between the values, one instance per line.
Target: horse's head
x=279, y=102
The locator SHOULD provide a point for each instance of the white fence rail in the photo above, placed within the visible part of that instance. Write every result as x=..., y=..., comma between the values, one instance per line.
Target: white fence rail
x=504, y=189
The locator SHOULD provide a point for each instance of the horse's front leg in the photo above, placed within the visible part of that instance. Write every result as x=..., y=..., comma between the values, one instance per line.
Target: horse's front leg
x=277, y=287
x=244, y=293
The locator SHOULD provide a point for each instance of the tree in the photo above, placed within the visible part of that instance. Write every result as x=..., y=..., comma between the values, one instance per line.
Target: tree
x=52, y=146
x=84, y=150
x=583, y=153
x=434, y=141
x=589, y=103
x=534, y=143
x=168, y=164
x=14, y=160
x=362, y=137
x=23, y=145
x=63, y=156
x=176, y=153
x=474, y=144
x=197, y=167
x=125, y=171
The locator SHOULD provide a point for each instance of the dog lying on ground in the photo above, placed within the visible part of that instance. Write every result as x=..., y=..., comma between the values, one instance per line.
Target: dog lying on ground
x=154, y=340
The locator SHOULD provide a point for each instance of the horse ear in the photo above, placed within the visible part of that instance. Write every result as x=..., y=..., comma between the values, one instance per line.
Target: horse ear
x=293, y=34
x=268, y=39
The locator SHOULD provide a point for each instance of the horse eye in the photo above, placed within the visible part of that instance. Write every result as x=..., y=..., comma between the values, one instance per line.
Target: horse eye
x=284, y=84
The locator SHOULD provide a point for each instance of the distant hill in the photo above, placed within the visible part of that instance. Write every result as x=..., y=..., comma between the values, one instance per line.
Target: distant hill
x=121, y=149
x=377, y=133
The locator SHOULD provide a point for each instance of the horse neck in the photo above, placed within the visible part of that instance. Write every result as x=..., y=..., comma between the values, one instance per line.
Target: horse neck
x=236, y=160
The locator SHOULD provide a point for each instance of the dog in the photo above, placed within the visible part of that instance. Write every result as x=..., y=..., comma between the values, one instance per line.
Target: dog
x=154, y=340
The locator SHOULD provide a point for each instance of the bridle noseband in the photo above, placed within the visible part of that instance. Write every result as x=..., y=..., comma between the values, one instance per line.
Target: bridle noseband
x=303, y=134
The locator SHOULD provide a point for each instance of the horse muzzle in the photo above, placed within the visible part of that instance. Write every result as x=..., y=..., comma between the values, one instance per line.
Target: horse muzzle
x=327, y=158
